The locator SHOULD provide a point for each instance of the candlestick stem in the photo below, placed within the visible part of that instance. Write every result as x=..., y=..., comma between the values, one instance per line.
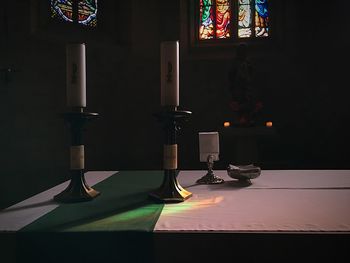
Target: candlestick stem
x=78, y=190
x=170, y=190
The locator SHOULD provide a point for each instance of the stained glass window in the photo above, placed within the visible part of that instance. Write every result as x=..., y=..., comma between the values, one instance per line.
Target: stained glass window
x=231, y=19
x=79, y=11
x=245, y=18
x=261, y=18
x=62, y=9
x=87, y=11
x=214, y=19
x=223, y=16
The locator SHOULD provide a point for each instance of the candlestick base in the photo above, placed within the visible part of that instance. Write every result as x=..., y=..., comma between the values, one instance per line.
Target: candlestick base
x=210, y=178
x=170, y=191
x=77, y=190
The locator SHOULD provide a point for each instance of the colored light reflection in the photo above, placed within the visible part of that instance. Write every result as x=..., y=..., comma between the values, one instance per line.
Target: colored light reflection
x=140, y=218
x=191, y=205
x=135, y=219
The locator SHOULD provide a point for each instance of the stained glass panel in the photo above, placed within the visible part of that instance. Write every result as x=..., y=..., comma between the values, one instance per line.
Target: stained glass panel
x=62, y=9
x=261, y=18
x=250, y=19
x=223, y=16
x=87, y=12
x=206, y=19
x=244, y=19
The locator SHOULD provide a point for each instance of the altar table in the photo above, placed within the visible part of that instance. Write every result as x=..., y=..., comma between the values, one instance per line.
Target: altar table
x=285, y=215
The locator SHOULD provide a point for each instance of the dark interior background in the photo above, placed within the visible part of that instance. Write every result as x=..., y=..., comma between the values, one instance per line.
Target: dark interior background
x=302, y=73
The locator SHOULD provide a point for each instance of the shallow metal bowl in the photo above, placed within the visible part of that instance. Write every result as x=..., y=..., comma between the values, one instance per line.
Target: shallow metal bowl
x=243, y=172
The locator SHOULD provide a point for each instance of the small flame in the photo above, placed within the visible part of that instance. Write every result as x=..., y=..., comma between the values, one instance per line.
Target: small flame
x=269, y=124
x=227, y=124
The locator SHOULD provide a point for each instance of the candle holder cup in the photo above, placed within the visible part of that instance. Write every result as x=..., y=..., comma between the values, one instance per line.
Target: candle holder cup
x=78, y=190
x=170, y=190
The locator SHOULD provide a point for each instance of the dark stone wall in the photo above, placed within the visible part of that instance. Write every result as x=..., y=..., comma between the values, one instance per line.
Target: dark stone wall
x=303, y=75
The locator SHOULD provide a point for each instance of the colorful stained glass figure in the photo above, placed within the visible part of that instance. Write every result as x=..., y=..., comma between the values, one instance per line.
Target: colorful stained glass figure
x=214, y=19
x=206, y=20
x=62, y=9
x=244, y=18
x=222, y=18
x=87, y=12
x=261, y=18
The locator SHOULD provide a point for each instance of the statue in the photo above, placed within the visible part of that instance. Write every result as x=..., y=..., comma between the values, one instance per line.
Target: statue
x=244, y=103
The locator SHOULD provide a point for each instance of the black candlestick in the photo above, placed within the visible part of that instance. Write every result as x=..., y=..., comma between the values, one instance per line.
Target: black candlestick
x=78, y=190
x=170, y=190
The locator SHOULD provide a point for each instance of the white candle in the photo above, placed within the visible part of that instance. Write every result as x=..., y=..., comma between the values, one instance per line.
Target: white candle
x=169, y=72
x=208, y=145
x=76, y=75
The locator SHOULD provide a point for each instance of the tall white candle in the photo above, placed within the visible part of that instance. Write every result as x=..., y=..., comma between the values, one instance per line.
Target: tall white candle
x=169, y=72
x=208, y=145
x=76, y=75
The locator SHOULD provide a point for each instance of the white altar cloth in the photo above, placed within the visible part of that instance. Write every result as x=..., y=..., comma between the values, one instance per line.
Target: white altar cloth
x=278, y=200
